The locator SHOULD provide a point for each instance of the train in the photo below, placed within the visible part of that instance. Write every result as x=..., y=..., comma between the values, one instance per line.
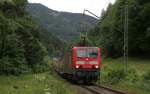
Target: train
x=81, y=64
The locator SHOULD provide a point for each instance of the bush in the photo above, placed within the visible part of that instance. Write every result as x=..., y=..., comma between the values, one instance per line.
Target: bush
x=146, y=76
x=132, y=76
x=12, y=66
x=146, y=80
x=115, y=76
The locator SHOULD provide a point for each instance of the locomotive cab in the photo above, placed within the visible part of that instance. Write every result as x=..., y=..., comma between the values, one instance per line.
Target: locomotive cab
x=86, y=62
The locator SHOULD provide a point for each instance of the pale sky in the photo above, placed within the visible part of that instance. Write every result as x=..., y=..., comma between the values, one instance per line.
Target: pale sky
x=76, y=6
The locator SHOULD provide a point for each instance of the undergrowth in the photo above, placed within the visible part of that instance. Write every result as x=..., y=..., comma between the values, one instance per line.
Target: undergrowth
x=132, y=80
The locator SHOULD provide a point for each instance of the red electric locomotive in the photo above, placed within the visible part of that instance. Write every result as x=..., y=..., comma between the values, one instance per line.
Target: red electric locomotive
x=81, y=64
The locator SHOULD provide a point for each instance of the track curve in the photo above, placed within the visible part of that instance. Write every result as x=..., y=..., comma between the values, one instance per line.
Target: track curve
x=95, y=89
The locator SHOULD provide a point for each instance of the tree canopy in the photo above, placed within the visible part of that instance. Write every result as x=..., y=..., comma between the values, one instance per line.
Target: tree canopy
x=108, y=34
x=21, y=50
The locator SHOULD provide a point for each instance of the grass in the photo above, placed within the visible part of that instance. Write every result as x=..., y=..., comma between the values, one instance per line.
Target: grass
x=43, y=83
x=137, y=67
x=46, y=83
x=140, y=65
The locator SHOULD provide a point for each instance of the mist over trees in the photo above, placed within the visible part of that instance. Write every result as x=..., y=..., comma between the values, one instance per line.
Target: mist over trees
x=63, y=25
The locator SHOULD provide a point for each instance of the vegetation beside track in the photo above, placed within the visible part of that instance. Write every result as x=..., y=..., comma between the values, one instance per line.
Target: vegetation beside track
x=135, y=80
x=42, y=83
x=39, y=83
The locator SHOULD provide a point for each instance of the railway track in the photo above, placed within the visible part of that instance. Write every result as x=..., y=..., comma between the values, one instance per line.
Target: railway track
x=95, y=89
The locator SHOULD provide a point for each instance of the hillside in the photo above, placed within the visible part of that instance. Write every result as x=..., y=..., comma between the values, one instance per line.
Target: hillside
x=66, y=26
x=23, y=42
x=51, y=42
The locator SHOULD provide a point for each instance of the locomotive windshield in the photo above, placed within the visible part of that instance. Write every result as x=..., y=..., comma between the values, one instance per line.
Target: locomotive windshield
x=93, y=53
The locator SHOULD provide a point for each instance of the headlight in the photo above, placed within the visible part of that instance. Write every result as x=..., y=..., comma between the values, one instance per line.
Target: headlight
x=77, y=66
x=96, y=66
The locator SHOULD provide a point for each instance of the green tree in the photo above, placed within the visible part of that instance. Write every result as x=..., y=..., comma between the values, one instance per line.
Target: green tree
x=21, y=50
x=108, y=34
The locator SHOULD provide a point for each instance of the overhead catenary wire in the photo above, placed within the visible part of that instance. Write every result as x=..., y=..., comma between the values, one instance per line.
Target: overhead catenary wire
x=125, y=35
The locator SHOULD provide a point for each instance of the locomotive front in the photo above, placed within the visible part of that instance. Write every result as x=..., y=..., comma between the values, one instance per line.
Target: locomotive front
x=86, y=62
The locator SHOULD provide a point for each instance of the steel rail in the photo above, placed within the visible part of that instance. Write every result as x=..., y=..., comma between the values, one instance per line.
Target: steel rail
x=96, y=91
x=110, y=89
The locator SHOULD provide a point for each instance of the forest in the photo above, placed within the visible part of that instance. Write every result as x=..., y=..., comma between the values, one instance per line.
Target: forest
x=109, y=32
x=23, y=47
